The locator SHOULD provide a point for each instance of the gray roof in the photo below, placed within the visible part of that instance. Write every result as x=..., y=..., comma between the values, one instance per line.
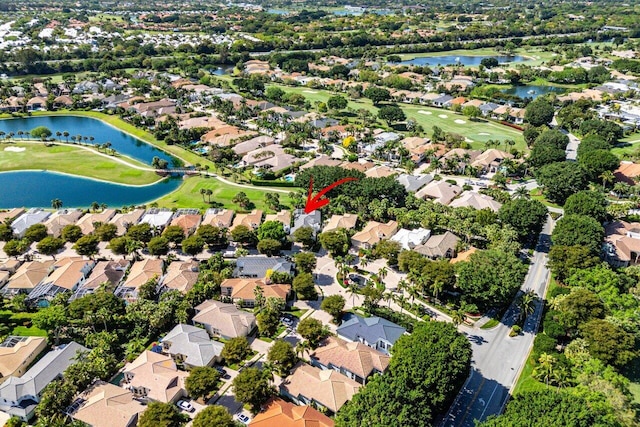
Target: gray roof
x=438, y=245
x=193, y=343
x=301, y=219
x=489, y=106
x=42, y=373
x=257, y=266
x=413, y=183
x=27, y=219
x=370, y=328
x=443, y=99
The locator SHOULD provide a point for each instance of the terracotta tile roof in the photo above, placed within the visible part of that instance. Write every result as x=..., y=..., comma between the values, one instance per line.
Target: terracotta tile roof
x=352, y=356
x=284, y=216
x=56, y=222
x=441, y=191
x=30, y=274
x=218, y=218
x=86, y=222
x=329, y=388
x=244, y=289
x=158, y=374
x=375, y=231
x=11, y=214
x=181, y=276
x=143, y=271
x=226, y=318
x=284, y=414
x=124, y=220
x=17, y=353
x=251, y=220
x=110, y=272
x=107, y=405
x=68, y=272
x=188, y=223
x=627, y=171
x=346, y=221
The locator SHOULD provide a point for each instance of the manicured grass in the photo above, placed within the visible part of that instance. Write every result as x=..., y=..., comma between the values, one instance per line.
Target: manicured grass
x=492, y=323
x=526, y=382
x=19, y=322
x=297, y=312
x=32, y=331
x=536, y=55
x=536, y=194
x=629, y=145
x=188, y=194
x=73, y=160
x=476, y=132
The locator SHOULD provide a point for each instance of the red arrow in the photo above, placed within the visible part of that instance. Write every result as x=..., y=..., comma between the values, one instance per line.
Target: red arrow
x=317, y=202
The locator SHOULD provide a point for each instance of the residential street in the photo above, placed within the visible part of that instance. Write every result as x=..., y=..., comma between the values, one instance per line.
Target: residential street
x=497, y=358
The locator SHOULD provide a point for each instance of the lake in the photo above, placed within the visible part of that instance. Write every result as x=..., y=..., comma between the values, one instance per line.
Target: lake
x=458, y=59
x=533, y=91
x=37, y=189
x=120, y=141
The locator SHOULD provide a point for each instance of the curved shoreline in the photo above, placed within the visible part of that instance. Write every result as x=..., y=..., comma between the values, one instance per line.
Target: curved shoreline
x=85, y=177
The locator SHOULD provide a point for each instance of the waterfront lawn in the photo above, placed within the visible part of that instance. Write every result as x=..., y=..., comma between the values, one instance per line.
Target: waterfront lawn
x=188, y=195
x=73, y=160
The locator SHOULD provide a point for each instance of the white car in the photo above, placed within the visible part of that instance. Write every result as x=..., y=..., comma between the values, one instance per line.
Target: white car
x=184, y=405
x=243, y=418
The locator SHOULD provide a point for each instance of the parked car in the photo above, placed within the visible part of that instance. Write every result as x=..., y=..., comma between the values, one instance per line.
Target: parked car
x=243, y=418
x=287, y=321
x=223, y=373
x=186, y=406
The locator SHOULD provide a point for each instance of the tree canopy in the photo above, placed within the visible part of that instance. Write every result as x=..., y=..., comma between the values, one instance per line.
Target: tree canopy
x=560, y=180
x=578, y=230
x=525, y=216
x=539, y=112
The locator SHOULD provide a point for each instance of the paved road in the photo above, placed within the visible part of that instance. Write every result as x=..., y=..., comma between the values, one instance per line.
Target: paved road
x=498, y=358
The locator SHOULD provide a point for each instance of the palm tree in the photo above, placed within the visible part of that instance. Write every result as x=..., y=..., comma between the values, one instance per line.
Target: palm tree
x=382, y=273
x=458, y=317
x=436, y=287
x=209, y=193
x=544, y=371
x=56, y=204
x=402, y=285
x=401, y=300
x=132, y=247
x=521, y=192
x=202, y=193
x=58, y=134
x=388, y=297
x=527, y=303
x=20, y=133
x=302, y=347
x=607, y=178
x=353, y=291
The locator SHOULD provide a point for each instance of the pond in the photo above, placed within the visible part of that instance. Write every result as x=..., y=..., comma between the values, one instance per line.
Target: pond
x=37, y=189
x=533, y=91
x=459, y=59
x=120, y=141
x=223, y=70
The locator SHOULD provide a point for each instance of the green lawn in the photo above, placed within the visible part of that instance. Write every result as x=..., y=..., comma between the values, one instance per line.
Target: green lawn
x=630, y=145
x=476, y=132
x=536, y=194
x=188, y=194
x=536, y=56
x=526, y=382
x=72, y=160
x=491, y=323
x=20, y=324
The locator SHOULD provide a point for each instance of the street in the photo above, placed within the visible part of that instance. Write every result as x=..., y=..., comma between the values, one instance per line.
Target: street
x=497, y=358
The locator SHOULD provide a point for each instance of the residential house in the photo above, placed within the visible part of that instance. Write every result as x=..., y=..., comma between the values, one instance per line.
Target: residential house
x=27, y=277
x=155, y=108
x=11, y=214
x=7, y=269
x=272, y=157
x=154, y=377
x=68, y=274
x=279, y=413
x=439, y=191
x=253, y=144
x=380, y=171
x=243, y=290
x=372, y=233
x=20, y=396
x=409, y=239
x=322, y=160
x=224, y=320
x=439, y=246
x=352, y=359
x=284, y=217
x=124, y=220
x=17, y=354
x=376, y=332
x=225, y=136
x=221, y=218
x=37, y=103
x=476, y=201
x=107, y=274
x=257, y=266
x=31, y=217
x=442, y=100
x=191, y=347
x=622, y=243
x=107, y=405
x=490, y=160
x=188, y=222
x=141, y=272
x=180, y=276
x=627, y=172
x=251, y=220
x=62, y=101
x=346, y=221
x=473, y=103
x=307, y=385
x=488, y=108
x=302, y=219
x=88, y=222
x=61, y=219
x=158, y=219
x=413, y=183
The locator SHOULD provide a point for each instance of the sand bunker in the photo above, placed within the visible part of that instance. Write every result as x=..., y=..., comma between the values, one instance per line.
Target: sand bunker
x=15, y=149
x=460, y=122
x=442, y=116
x=484, y=134
x=467, y=139
x=309, y=91
x=428, y=113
